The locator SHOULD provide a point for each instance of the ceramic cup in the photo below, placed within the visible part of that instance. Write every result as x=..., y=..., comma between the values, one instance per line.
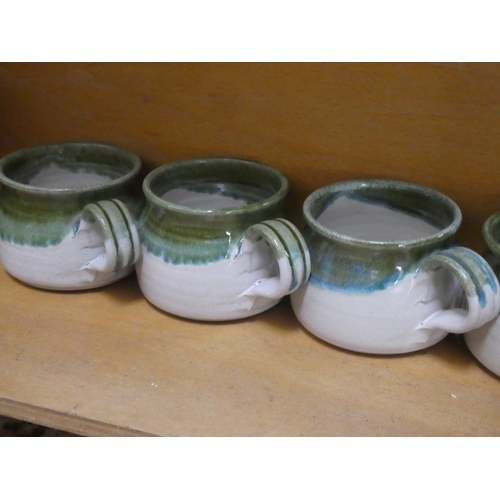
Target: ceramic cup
x=213, y=245
x=484, y=342
x=67, y=214
x=385, y=275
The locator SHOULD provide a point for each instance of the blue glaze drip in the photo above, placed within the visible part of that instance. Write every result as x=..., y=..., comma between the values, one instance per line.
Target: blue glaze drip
x=486, y=269
x=359, y=288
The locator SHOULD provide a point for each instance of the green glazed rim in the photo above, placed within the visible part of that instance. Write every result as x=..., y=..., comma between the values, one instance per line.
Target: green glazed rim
x=421, y=201
x=491, y=233
x=222, y=168
x=97, y=152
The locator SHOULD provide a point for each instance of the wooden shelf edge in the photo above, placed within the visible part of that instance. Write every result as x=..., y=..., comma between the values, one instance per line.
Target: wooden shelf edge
x=64, y=421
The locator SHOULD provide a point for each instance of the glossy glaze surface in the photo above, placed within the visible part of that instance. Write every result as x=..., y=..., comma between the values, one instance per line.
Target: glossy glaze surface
x=386, y=277
x=213, y=244
x=50, y=236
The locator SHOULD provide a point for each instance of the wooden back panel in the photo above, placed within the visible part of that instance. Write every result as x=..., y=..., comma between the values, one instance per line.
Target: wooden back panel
x=434, y=124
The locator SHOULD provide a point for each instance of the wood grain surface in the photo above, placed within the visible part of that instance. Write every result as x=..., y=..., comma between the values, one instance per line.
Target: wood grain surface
x=106, y=362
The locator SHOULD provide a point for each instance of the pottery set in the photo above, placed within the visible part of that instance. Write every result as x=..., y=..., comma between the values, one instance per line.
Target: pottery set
x=206, y=236
x=376, y=269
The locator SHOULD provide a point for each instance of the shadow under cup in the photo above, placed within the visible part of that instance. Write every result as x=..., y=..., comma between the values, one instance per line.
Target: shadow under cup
x=381, y=255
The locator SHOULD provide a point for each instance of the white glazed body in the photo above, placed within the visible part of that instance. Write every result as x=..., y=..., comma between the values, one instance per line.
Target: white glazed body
x=208, y=292
x=65, y=266
x=484, y=344
x=386, y=275
x=382, y=322
x=214, y=245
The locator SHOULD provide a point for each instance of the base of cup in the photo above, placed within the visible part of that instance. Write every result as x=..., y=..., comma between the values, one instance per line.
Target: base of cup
x=77, y=286
x=484, y=344
x=367, y=323
x=59, y=267
x=203, y=315
x=203, y=292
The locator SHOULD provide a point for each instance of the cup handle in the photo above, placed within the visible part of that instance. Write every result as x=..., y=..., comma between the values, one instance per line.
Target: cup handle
x=291, y=253
x=118, y=232
x=480, y=286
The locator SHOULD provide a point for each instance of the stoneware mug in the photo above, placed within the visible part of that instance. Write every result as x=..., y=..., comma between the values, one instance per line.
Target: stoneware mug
x=67, y=214
x=484, y=342
x=386, y=277
x=213, y=244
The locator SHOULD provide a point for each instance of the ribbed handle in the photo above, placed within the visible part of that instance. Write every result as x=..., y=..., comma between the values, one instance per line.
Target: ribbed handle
x=480, y=286
x=291, y=253
x=120, y=238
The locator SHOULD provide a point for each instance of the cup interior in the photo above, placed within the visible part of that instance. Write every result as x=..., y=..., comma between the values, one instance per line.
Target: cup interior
x=384, y=212
x=68, y=166
x=215, y=184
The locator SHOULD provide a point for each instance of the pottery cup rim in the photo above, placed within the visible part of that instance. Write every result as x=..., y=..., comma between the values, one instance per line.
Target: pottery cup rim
x=230, y=165
x=129, y=160
x=316, y=201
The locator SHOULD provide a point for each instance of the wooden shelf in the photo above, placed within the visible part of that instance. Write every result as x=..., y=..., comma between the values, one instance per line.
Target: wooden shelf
x=106, y=362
